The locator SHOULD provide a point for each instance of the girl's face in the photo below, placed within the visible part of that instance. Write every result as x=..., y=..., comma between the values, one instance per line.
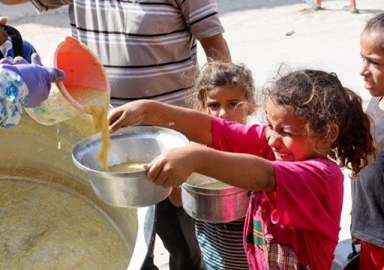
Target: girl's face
x=372, y=52
x=285, y=135
x=228, y=103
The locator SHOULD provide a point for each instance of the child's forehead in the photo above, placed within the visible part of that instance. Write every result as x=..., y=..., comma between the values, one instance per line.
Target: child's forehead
x=376, y=37
x=225, y=91
x=272, y=109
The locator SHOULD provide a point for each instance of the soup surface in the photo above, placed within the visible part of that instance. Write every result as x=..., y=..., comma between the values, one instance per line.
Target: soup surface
x=128, y=167
x=43, y=227
x=215, y=185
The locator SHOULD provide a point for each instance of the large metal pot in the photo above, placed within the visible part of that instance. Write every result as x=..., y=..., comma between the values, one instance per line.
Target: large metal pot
x=42, y=154
x=347, y=256
x=216, y=205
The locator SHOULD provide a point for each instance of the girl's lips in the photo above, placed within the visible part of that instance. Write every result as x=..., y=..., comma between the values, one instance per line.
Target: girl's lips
x=368, y=85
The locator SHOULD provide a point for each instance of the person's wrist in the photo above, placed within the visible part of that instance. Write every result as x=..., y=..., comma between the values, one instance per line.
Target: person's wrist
x=197, y=154
x=147, y=109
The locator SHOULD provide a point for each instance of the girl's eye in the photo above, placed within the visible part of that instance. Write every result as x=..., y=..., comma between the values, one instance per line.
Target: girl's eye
x=233, y=104
x=286, y=134
x=369, y=61
x=213, y=106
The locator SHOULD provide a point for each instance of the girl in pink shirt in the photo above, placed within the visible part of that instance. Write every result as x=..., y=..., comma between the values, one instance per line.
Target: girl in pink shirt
x=289, y=164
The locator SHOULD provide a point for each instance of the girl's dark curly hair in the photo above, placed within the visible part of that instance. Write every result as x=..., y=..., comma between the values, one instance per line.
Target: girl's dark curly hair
x=319, y=99
x=215, y=74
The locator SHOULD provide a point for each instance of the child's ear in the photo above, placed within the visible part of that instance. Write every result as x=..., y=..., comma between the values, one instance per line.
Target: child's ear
x=333, y=133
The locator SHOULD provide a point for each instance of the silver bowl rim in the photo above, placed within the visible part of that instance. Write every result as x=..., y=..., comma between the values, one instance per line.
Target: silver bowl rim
x=96, y=138
x=213, y=192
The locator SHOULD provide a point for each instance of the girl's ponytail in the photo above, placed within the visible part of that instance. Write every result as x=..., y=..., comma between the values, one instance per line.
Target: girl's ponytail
x=354, y=145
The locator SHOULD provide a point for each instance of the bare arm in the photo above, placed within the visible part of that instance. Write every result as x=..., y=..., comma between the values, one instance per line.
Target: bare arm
x=242, y=170
x=216, y=48
x=193, y=124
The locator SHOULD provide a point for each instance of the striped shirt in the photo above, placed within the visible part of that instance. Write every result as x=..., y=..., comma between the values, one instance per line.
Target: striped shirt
x=148, y=47
x=222, y=245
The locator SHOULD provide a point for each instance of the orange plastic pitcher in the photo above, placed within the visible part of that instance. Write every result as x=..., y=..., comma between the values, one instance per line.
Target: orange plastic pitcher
x=83, y=71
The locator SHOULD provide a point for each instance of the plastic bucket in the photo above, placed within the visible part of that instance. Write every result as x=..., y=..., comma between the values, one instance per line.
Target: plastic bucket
x=83, y=70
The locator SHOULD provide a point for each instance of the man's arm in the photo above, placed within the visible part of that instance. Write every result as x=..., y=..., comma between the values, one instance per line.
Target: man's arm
x=40, y=5
x=216, y=48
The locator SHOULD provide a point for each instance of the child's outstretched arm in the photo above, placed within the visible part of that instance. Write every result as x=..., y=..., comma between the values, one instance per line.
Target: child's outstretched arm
x=246, y=171
x=193, y=124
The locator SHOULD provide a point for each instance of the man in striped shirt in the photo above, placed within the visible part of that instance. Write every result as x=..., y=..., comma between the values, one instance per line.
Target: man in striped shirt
x=148, y=47
x=149, y=50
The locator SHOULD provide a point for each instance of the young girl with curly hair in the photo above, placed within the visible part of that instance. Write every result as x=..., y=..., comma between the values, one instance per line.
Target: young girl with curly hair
x=226, y=91
x=291, y=164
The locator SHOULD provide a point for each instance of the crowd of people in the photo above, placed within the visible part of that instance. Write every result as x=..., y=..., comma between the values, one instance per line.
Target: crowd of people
x=314, y=126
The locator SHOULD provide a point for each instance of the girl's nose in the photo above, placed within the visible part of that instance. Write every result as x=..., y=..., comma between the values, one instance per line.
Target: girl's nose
x=364, y=70
x=223, y=114
x=274, y=140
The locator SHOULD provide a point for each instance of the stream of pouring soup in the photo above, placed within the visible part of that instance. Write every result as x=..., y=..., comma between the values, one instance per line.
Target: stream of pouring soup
x=96, y=103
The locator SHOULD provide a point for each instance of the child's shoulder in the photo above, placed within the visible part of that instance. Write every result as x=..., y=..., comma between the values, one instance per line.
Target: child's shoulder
x=319, y=167
x=322, y=164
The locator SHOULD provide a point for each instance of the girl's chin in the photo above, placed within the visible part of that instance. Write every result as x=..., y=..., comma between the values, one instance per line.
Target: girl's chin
x=375, y=92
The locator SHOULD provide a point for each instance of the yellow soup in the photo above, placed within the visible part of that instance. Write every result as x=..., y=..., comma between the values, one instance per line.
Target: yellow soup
x=128, y=167
x=215, y=185
x=96, y=103
x=43, y=227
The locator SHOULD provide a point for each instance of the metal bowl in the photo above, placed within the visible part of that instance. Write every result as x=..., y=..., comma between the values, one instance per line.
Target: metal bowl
x=139, y=144
x=217, y=205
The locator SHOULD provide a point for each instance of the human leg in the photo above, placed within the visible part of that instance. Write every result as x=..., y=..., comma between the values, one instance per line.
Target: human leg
x=187, y=225
x=371, y=256
x=317, y=3
x=184, y=255
x=352, y=6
